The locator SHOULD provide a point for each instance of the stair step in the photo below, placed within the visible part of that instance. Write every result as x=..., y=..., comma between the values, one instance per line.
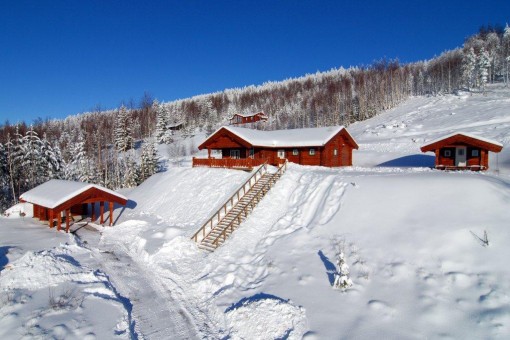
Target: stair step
x=238, y=212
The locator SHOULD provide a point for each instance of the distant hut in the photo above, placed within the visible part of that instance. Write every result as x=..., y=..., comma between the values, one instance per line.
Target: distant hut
x=241, y=118
x=61, y=200
x=176, y=126
x=462, y=151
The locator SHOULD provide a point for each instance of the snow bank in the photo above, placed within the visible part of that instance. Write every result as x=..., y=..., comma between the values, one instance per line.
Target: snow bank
x=266, y=317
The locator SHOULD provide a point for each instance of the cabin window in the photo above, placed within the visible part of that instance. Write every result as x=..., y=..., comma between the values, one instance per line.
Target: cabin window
x=447, y=153
x=475, y=153
x=295, y=152
x=252, y=153
x=335, y=152
x=311, y=152
x=281, y=154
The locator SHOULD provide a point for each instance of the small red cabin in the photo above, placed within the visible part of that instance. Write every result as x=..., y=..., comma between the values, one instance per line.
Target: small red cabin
x=240, y=118
x=245, y=148
x=461, y=151
x=59, y=199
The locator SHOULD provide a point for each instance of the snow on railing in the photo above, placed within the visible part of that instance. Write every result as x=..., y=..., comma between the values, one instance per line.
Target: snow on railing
x=242, y=163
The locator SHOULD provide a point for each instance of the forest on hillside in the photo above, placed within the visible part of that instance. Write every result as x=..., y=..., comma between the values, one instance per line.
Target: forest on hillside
x=97, y=146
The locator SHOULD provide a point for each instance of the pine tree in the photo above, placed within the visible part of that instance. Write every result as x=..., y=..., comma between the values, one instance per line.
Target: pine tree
x=506, y=53
x=123, y=136
x=81, y=168
x=131, y=173
x=483, y=65
x=31, y=159
x=468, y=68
x=149, y=161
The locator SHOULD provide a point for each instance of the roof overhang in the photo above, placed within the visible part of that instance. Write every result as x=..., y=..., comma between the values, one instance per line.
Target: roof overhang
x=462, y=138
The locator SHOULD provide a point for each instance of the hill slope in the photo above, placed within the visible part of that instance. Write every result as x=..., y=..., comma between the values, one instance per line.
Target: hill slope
x=410, y=235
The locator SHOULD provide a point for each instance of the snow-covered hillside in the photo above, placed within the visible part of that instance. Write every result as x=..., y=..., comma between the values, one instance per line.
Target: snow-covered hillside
x=413, y=239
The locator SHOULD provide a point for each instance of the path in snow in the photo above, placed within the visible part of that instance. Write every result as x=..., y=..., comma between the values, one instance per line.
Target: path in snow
x=156, y=313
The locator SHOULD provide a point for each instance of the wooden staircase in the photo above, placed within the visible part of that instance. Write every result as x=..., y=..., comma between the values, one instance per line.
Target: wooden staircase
x=230, y=216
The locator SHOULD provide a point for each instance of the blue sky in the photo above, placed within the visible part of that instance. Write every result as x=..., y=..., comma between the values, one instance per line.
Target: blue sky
x=59, y=58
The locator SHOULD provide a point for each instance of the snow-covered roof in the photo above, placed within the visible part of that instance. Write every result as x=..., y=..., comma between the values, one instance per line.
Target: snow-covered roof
x=465, y=134
x=56, y=191
x=286, y=138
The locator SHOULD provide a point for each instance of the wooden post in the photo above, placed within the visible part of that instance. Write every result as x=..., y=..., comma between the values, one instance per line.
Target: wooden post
x=59, y=220
x=208, y=153
x=437, y=157
x=101, y=212
x=110, y=205
x=50, y=218
x=67, y=220
x=93, y=213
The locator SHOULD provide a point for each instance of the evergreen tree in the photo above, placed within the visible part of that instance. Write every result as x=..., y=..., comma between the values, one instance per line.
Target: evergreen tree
x=123, y=136
x=483, y=65
x=506, y=53
x=149, y=161
x=131, y=173
x=468, y=68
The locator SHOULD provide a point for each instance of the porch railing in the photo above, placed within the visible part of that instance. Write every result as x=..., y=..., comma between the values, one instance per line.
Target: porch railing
x=243, y=163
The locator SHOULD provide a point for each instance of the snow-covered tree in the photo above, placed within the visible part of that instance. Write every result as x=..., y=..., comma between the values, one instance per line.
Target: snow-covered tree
x=82, y=168
x=131, y=173
x=506, y=53
x=483, y=65
x=123, y=136
x=469, y=68
x=149, y=161
x=342, y=277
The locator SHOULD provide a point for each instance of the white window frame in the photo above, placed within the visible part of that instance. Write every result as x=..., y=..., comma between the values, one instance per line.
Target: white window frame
x=447, y=153
x=295, y=152
x=311, y=152
x=335, y=152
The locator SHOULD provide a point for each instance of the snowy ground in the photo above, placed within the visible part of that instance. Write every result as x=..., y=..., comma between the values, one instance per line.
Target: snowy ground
x=411, y=237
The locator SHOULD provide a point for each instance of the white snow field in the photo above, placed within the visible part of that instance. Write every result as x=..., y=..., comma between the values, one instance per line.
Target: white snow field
x=413, y=239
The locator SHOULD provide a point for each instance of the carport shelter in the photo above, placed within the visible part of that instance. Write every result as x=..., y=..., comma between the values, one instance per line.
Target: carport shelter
x=58, y=199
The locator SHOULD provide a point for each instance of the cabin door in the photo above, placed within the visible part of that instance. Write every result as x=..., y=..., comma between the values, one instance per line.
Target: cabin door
x=236, y=154
x=281, y=154
x=460, y=156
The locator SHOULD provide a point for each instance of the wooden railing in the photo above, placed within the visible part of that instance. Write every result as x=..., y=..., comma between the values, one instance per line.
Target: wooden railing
x=243, y=163
x=230, y=227
x=204, y=230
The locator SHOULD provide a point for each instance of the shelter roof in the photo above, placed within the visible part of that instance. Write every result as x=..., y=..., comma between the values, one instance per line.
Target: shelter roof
x=464, y=137
x=56, y=191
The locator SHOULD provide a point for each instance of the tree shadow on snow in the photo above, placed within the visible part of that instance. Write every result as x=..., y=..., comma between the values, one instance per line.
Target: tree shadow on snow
x=330, y=267
x=410, y=161
x=3, y=257
x=250, y=299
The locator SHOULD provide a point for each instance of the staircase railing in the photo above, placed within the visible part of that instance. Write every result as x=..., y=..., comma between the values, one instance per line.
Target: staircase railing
x=281, y=170
x=204, y=230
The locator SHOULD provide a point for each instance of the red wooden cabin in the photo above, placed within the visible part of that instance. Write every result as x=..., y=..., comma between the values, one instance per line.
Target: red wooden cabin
x=240, y=118
x=59, y=199
x=246, y=148
x=461, y=151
